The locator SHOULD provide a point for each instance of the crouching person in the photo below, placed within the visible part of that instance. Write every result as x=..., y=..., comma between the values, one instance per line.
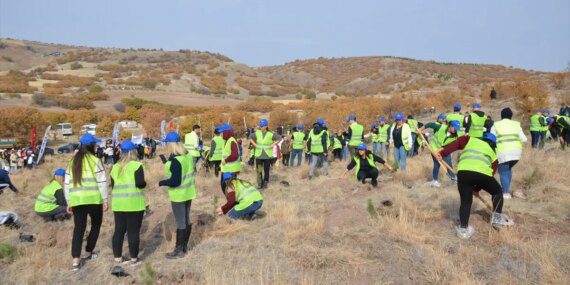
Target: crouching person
x=50, y=203
x=365, y=163
x=243, y=199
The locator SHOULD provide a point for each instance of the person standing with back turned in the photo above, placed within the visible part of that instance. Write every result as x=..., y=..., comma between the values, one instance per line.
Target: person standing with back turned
x=263, y=140
x=180, y=170
x=85, y=188
x=299, y=139
x=355, y=135
x=127, y=202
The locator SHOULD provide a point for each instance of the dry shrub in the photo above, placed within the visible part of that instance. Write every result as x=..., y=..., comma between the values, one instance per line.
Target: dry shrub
x=16, y=82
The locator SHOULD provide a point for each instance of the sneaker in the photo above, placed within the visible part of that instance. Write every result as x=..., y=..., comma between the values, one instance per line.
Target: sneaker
x=507, y=196
x=134, y=263
x=90, y=257
x=436, y=184
x=501, y=220
x=76, y=266
x=465, y=233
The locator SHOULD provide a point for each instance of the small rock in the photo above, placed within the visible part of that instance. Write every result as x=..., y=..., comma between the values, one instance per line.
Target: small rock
x=285, y=183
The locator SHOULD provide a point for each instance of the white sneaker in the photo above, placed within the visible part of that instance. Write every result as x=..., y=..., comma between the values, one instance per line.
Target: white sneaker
x=464, y=233
x=436, y=184
x=507, y=196
x=501, y=220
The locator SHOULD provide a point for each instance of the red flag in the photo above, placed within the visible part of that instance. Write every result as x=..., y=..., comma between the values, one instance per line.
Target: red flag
x=171, y=126
x=33, y=136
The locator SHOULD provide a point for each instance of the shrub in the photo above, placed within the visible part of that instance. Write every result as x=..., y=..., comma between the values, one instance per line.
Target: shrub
x=119, y=107
x=95, y=88
x=8, y=253
x=13, y=95
x=216, y=84
x=42, y=100
x=75, y=66
x=16, y=82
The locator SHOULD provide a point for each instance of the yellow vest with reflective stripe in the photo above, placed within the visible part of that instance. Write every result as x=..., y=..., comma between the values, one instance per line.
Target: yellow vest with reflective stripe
x=46, y=201
x=186, y=190
x=440, y=138
x=456, y=117
x=357, y=159
x=234, y=166
x=317, y=142
x=246, y=194
x=125, y=196
x=507, y=132
x=535, y=123
x=217, y=155
x=337, y=143
x=356, y=135
x=189, y=140
x=477, y=156
x=298, y=138
x=373, y=136
x=86, y=192
x=413, y=125
x=263, y=143
x=383, y=133
x=405, y=135
x=545, y=127
x=477, y=127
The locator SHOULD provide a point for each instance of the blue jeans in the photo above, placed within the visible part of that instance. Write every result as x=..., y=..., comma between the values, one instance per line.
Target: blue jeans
x=537, y=139
x=345, y=153
x=249, y=210
x=506, y=175
x=375, y=148
x=412, y=149
x=400, y=157
x=436, y=166
x=383, y=150
x=296, y=153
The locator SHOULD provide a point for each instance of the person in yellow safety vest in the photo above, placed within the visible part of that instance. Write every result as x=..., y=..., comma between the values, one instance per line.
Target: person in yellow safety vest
x=383, y=130
x=562, y=123
x=85, y=188
x=263, y=140
x=216, y=148
x=443, y=135
x=544, y=128
x=401, y=139
x=317, y=146
x=355, y=134
x=510, y=139
x=537, y=124
x=365, y=163
x=413, y=123
x=192, y=143
x=231, y=162
x=180, y=170
x=374, y=138
x=477, y=164
x=50, y=203
x=337, y=147
x=127, y=202
x=478, y=123
x=299, y=138
x=456, y=116
x=243, y=199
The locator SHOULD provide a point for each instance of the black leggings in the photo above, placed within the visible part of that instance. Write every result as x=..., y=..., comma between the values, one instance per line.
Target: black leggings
x=469, y=181
x=130, y=223
x=181, y=212
x=262, y=167
x=337, y=153
x=216, y=164
x=285, y=158
x=371, y=173
x=80, y=213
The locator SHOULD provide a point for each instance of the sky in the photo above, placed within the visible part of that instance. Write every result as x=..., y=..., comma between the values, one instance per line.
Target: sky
x=521, y=33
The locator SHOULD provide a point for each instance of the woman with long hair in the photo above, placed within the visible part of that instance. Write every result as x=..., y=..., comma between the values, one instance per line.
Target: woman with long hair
x=127, y=202
x=180, y=170
x=85, y=188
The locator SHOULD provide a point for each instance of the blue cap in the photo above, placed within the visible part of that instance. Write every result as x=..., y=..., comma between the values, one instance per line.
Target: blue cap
x=399, y=117
x=373, y=125
x=548, y=120
x=172, y=137
x=381, y=119
x=441, y=116
x=455, y=124
x=59, y=172
x=320, y=121
x=89, y=139
x=224, y=127
x=299, y=127
x=476, y=106
x=362, y=146
x=546, y=112
x=352, y=118
x=227, y=176
x=457, y=107
x=263, y=123
x=127, y=145
x=490, y=137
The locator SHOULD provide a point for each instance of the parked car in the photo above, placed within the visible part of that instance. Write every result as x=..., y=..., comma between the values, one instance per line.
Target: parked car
x=49, y=151
x=68, y=148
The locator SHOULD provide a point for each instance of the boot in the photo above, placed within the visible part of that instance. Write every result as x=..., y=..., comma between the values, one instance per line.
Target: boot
x=187, y=238
x=179, y=249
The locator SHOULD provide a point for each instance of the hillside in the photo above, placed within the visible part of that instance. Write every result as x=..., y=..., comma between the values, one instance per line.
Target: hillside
x=63, y=73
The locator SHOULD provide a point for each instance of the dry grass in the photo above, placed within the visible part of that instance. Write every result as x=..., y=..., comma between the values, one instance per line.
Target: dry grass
x=319, y=232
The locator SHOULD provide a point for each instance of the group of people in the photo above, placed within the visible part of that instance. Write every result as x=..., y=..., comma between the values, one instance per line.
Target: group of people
x=80, y=189
x=17, y=159
x=556, y=127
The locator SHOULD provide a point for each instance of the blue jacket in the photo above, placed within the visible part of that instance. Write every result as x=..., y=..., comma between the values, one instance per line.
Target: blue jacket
x=5, y=181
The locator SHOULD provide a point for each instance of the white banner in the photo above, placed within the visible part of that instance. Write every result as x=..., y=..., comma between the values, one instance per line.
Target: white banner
x=162, y=131
x=116, y=130
x=137, y=139
x=44, y=143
